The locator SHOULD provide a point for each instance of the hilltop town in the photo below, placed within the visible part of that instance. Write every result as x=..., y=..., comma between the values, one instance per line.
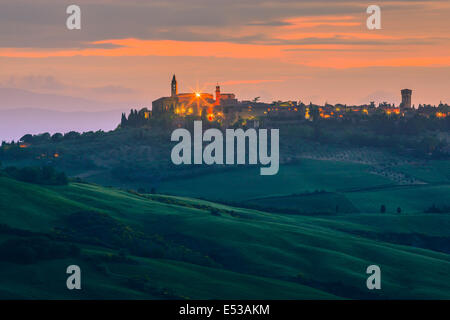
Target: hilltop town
x=225, y=110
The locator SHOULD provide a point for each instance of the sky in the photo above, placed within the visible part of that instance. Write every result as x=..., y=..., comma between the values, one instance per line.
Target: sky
x=314, y=51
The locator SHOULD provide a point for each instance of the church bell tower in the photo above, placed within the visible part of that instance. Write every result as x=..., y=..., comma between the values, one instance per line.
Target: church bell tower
x=174, y=87
x=217, y=102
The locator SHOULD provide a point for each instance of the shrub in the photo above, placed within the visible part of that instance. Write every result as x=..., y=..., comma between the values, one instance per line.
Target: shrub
x=435, y=209
x=38, y=175
x=31, y=250
x=215, y=212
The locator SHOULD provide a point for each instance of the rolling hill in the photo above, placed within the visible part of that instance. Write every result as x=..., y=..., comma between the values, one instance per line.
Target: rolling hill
x=321, y=187
x=132, y=245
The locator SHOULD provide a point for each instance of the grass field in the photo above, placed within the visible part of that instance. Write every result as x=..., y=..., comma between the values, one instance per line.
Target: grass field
x=310, y=203
x=246, y=184
x=436, y=172
x=350, y=187
x=216, y=251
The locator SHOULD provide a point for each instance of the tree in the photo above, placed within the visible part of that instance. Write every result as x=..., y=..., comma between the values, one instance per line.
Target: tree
x=383, y=208
x=28, y=138
x=39, y=175
x=123, y=121
x=215, y=212
x=57, y=137
x=61, y=179
x=44, y=136
x=47, y=173
x=72, y=135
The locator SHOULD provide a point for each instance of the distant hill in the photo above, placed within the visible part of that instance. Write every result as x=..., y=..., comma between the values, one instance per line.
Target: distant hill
x=15, y=123
x=12, y=98
x=23, y=111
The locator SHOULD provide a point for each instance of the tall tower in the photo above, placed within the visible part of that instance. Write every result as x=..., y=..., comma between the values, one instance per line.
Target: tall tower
x=217, y=95
x=174, y=87
x=406, y=98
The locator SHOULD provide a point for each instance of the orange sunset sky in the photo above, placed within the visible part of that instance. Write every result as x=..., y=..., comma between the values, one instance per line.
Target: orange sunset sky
x=319, y=51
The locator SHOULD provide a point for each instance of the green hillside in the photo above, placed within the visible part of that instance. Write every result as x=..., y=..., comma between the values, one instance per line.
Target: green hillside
x=324, y=187
x=132, y=245
x=247, y=183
